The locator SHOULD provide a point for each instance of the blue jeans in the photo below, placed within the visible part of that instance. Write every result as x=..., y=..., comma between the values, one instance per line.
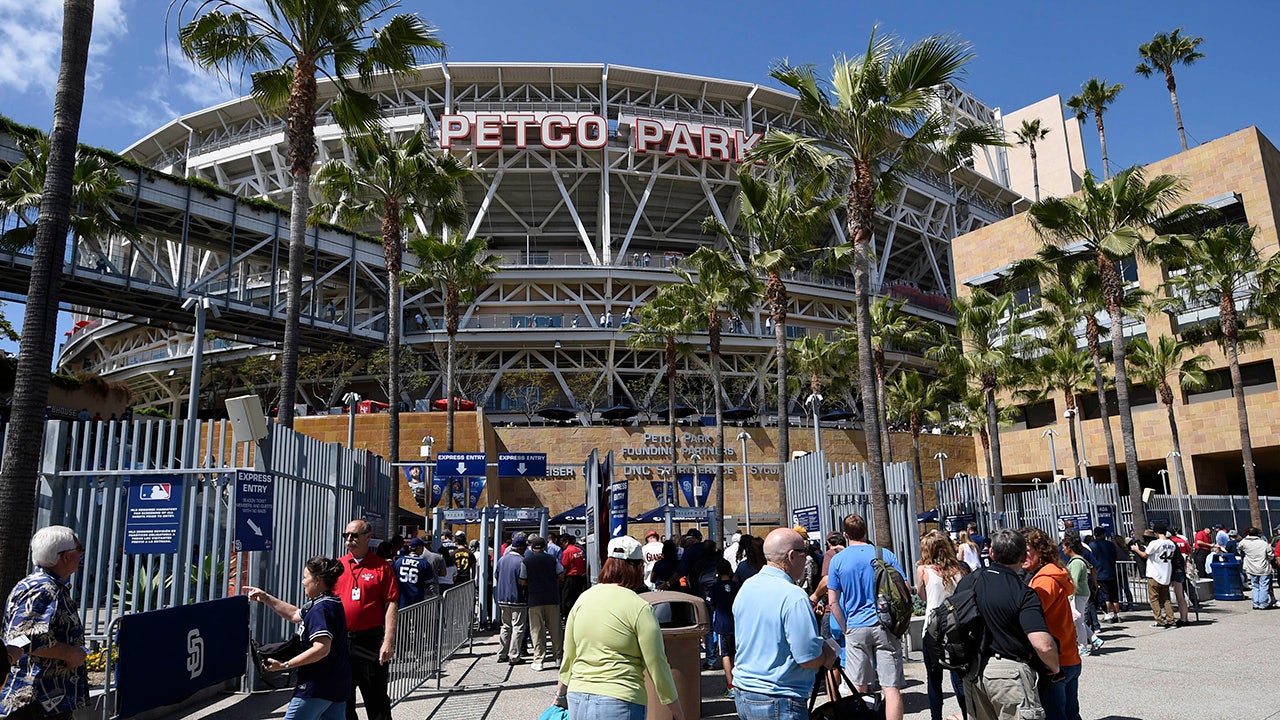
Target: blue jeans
x=315, y=709
x=755, y=706
x=1261, y=589
x=589, y=706
x=933, y=679
x=1061, y=700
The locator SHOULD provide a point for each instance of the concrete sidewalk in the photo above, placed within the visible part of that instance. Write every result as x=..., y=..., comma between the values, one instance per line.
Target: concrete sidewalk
x=1218, y=668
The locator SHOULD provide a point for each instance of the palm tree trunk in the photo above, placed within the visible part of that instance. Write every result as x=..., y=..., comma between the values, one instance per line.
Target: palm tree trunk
x=391, y=253
x=31, y=390
x=777, y=295
x=713, y=329
x=1102, y=140
x=915, y=447
x=301, y=124
x=1104, y=408
x=997, y=466
x=1177, y=458
x=878, y=360
x=670, y=356
x=1177, y=113
x=1071, y=427
x=1112, y=291
x=451, y=359
x=985, y=437
x=1035, y=171
x=1229, y=325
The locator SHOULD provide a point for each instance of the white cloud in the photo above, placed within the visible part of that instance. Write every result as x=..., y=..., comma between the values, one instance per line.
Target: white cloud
x=31, y=41
x=177, y=87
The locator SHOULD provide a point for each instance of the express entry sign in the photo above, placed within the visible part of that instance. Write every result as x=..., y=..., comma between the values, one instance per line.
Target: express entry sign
x=255, y=509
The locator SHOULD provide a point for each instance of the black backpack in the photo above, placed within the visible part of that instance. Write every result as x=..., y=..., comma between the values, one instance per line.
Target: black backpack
x=955, y=633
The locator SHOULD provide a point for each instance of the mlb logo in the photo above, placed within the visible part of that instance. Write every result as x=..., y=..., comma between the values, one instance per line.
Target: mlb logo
x=156, y=491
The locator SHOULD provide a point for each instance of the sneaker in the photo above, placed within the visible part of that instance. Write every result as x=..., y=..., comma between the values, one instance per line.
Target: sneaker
x=503, y=658
x=1115, y=617
x=728, y=694
x=1095, y=645
x=1083, y=650
x=537, y=666
x=517, y=661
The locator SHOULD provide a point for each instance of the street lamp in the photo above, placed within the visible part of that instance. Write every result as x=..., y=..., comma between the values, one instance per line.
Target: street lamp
x=1181, y=484
x=1164, y=480
x=813, y=401
x=352, y=399
x=1053, y=454
x=200, y=305
x=942, y=473
x=425, y=451
x=746, y=496
x=693, y=481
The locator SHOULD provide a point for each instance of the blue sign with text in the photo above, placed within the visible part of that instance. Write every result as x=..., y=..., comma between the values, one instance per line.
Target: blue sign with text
x=167, y=655
x=807, y=518
x=618, y=501
x=703, y=491
x=154, y=514
x=522, y=465
x=1107, y=517
x=255, y=509
x=460, y=464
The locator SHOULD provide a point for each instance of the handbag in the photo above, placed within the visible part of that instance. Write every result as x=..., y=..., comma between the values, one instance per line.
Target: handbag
x=278, y=651
x=853, y=706
x=555, y=712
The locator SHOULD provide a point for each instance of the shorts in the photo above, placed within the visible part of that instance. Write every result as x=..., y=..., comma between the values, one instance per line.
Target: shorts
x=1110, y=589
x=727, y=646
x=871, y=653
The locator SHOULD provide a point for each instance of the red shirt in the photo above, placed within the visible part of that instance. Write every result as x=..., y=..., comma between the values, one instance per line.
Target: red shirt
x=366, y=587
x=573, y=561
x=1202, y=540
x=1181, y=543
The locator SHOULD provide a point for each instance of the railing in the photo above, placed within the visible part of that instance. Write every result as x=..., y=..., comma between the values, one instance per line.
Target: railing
x=427, y=634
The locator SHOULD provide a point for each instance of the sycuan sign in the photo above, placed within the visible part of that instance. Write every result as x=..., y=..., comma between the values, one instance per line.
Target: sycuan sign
x=591, y=132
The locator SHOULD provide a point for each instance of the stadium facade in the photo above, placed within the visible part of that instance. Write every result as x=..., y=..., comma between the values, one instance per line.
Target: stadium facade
x=592, y=182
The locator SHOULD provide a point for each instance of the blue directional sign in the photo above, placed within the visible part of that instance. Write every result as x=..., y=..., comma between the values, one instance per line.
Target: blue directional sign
x=1107, y=517
x=154, y=514
x=522, y=465
x=618, y=501
x=255, y=510
x=460, y=464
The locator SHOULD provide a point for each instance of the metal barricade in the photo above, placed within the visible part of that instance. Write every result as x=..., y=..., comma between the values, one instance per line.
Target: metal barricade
x=429, y=633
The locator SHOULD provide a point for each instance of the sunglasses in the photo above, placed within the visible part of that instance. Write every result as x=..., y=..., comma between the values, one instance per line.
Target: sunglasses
x=353, y=536
x=78, y=548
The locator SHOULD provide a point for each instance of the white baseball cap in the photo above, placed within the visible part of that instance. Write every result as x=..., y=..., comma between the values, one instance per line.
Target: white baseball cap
x=625, y=548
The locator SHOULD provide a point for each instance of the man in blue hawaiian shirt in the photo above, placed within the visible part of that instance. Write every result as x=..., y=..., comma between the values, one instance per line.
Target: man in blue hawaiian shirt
x=49, y=680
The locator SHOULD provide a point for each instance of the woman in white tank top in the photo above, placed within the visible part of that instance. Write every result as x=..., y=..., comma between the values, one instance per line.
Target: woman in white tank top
x=969, y=553
x=936, y=576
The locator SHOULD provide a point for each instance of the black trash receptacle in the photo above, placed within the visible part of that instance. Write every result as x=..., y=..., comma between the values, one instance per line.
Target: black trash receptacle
x=685, y=621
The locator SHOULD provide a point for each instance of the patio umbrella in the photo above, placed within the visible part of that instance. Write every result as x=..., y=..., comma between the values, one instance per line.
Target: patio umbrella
x=928, y=516
x=657, y=514
x=838, y=415
x=572, y=515
x=739, y=412
x=618, y=412
x=684, y=411
x=557, y=413
x=458, y=404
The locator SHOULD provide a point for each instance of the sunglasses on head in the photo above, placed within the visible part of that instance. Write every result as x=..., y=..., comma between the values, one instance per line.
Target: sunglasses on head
x=78, y=548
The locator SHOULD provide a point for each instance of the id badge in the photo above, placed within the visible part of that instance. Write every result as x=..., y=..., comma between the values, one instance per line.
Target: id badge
x=355, y=594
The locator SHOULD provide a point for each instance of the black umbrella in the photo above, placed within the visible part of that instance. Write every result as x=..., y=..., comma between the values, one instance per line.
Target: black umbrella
x=838, y=415
x=572, y=515
x=684, y=411
x=557, y=413
x=618, y=412
x=657, y=514
x=739, y=412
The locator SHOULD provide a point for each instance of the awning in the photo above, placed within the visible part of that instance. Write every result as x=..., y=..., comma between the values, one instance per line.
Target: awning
x=572, y=515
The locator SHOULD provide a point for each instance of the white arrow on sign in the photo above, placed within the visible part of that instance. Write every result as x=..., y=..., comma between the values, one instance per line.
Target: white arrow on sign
x=520, y=468
x=254, y=527
x=462, y=468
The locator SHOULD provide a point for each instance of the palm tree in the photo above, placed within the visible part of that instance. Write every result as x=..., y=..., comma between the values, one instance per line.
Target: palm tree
x=882, y=113
x=1028, y=134
x=714, y=285
x=284, y=46
x=778, y=221
x=39, y=326
x=1154, y=363
x=1064, y=368
x=890, y=326
x=398, y=184
x=916, y=400
x=820, y=362
x=1095, y=98
x=1224, y=268
x=457, y=269
x=1161, y=55
x=662, y=321
x=990, y=339
x=1109, y=219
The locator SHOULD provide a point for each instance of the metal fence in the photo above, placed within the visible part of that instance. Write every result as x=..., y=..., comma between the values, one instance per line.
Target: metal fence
x=86, y=473
x=839, y=489
x=429, y=633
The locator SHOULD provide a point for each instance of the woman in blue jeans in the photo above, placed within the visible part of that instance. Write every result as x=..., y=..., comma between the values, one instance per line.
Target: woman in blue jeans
x=937, y=573
x=324, y=669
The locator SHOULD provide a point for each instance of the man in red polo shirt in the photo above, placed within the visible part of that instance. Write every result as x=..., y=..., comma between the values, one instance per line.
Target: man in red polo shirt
x=574, y=563
x=369, y=593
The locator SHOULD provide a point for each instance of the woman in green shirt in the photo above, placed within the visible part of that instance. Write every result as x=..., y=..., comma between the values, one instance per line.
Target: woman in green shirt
x=611, y=638
x=1080, y=571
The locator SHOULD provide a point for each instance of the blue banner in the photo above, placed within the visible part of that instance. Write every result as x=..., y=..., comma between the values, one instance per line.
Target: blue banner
x=437, y=491
x=475, y=486
x=255, y=511
x=154, y=514
x=460, y=464
x=522, y=465
x=661, y=492
x=619, y=497
x=166, y=655
x=704, y=488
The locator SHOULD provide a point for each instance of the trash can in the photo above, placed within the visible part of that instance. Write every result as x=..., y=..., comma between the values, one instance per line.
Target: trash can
x=1227, y=583
x=684, y=621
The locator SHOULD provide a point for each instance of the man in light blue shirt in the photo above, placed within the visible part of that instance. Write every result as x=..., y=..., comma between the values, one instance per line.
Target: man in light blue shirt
x=870, y=650
x=779, y=649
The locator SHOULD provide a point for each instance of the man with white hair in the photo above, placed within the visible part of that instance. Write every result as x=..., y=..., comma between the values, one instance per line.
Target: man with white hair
x=42, y=622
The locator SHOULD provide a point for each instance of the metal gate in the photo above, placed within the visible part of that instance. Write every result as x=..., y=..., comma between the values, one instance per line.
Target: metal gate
x=85, y=475
x=835, y=490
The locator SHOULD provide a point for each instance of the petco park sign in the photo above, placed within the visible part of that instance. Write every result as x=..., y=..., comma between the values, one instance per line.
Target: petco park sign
x=558, y=131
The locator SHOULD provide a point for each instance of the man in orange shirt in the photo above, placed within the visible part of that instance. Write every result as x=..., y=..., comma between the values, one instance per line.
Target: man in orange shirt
x=369, y=594
x=1061, y=700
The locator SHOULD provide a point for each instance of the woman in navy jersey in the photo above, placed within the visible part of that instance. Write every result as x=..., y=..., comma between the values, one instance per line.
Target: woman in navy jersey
x=324, y=669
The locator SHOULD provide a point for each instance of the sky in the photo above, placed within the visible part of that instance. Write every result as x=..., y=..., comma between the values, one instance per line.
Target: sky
x=1023, y=52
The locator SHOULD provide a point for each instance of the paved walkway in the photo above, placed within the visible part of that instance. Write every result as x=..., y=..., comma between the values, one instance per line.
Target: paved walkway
x=1141, y=673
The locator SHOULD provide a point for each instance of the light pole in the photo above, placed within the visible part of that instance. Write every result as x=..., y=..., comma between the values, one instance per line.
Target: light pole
x=693, y=482
x=1181, y=484
x=942, y=473
x=425, y=451
x=351, y=399
x=200, y=305
x=1053, y=454
x=813, y=401
x=746, y=496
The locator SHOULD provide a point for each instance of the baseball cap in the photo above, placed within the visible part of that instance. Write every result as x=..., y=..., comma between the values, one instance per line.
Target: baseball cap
x=519, y=540
x=460, y=536
x=625, y=548
x=694, y=532
x=652, y=534
x=801, y=531
x=537, y=541
x=417, y=543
